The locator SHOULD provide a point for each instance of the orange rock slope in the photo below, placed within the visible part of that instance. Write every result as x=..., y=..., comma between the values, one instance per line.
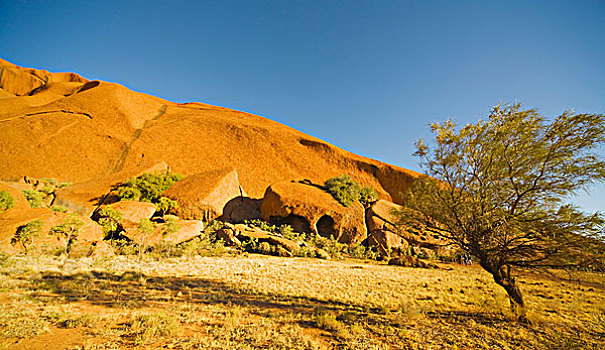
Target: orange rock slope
x=63, y=126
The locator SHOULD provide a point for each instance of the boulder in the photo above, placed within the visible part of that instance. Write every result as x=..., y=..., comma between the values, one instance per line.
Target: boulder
x=132, y=211
x=240, y=209
x=19, y=200
x=308, y=208
x=203, y=196
x=85, y=197
x=186, y=231
x=235, y=234
x=89, y=241
x=387, y=236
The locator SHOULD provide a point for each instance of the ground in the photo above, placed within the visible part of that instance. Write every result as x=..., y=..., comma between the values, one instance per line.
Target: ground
x=261, y=302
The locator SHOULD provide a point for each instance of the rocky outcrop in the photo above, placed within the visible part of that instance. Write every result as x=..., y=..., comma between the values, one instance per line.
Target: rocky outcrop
x=203, y=196
x=178, y=232
x=87, y=242
x=131, y=211
x=19, y=200
x=234, y=235
x=388, y=237
x=308, y=208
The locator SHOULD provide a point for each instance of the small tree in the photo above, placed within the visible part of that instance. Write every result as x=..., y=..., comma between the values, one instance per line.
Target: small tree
x=34, y=198
x=165, y=205
x=496, y=190
x=6, y=201
x=68, y=230
x=110, y=221
x=145, y=229
x=26, y=233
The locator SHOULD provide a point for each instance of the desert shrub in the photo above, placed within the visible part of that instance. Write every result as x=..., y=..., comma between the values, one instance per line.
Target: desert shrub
x=69, y=228
x=368, y=195
x=326, y=320
x=124, y=247
x=109, y=219
x=171, y=227
x=27, y=232
x=34, y=198
x=344, y=189
x=165, y=204
x=147, y=327
x=147, y=187
x=59, y=208
x=361, y=252
x=263, y=225
x=6, y=201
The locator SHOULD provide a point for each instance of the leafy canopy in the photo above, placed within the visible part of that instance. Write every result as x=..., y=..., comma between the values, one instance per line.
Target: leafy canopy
x=346, y=190
x=497, y=189
x=6, y=201
x=147, y=187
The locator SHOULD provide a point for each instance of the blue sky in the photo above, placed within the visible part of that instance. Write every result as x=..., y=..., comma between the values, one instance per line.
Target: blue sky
x=367, y=76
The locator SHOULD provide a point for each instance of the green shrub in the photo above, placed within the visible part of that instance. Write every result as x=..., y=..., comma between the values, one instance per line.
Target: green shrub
x=59, y=208
x=34, y=198
x=368, y=195
x=110, y=221
x=147, y=187
x=164, y=205
x=70, y=227
x=27, y=232
x=171, y=227
x=6, y=201
x=344, y=189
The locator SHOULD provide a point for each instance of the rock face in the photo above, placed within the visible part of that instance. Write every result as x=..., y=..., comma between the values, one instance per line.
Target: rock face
x=203, y=196
x=133, y=211
x=89, y=242
x=388, y=238
x=308, y=208
x=19, y=201
x=94, y=134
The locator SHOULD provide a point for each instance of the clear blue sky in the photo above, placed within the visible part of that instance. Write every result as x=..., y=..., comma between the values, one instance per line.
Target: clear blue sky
x=367, y=76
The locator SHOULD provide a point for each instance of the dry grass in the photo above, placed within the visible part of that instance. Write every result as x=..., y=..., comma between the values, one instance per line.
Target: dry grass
x=286, y=303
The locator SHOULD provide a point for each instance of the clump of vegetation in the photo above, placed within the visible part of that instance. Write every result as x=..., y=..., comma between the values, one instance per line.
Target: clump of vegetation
x=6, y=201
x=147, y=327
x=149, y=187
x=346, y=190
x=34, y=198
x=50, y=185
x=286, y=231
x=69, y=229
x=110, y=221
x=59, y=208
x=26, y=233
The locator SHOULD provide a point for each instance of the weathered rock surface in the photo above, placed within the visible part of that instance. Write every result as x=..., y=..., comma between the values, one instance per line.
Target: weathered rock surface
x=186, y=231
x=89, y=242
x=131, y=210
x=94, y=134
x=19, y=200
x=203, y=196
x=308, y=208
x=386, y=236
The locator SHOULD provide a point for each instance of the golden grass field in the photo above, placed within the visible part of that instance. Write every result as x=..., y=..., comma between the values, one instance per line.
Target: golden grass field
x=262, y=302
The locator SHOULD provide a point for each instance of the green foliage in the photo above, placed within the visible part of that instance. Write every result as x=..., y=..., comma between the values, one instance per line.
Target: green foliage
x=110, y=221
x=368, y=195
x=58, y=208
x=496, y=189
x=344, y=189
x=171, y=227
x=70, y=228
x=34, y=198
x=27, y=232
x=165, y=205
x=147, y=187
x=6, y=201
x=145, y=227
x=286, y=231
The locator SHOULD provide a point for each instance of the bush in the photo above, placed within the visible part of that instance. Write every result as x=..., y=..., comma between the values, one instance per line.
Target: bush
x=368, y=195
x=34, y=198
x=6, y=201
x=27, y=232
x=147, y=187
x=344, y=189
x=110, y=221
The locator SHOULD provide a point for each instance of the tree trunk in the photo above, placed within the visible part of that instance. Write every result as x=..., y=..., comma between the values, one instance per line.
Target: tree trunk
x=502, y=277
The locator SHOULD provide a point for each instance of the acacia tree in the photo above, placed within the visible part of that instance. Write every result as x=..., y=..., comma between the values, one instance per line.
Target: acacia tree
x=497, y=190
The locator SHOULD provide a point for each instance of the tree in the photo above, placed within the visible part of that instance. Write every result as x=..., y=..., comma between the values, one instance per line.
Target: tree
x=26, y=233
x=497, y=190
x=69, y=230
x=109, y=219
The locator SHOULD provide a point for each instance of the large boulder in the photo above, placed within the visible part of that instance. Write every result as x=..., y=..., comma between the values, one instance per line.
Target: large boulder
x=203, y=196
x=88, y=242
x=388, y=237
x=308, y=208
x=85, y=197
x=131, y=210
x=185, y=230
x=19, y=200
